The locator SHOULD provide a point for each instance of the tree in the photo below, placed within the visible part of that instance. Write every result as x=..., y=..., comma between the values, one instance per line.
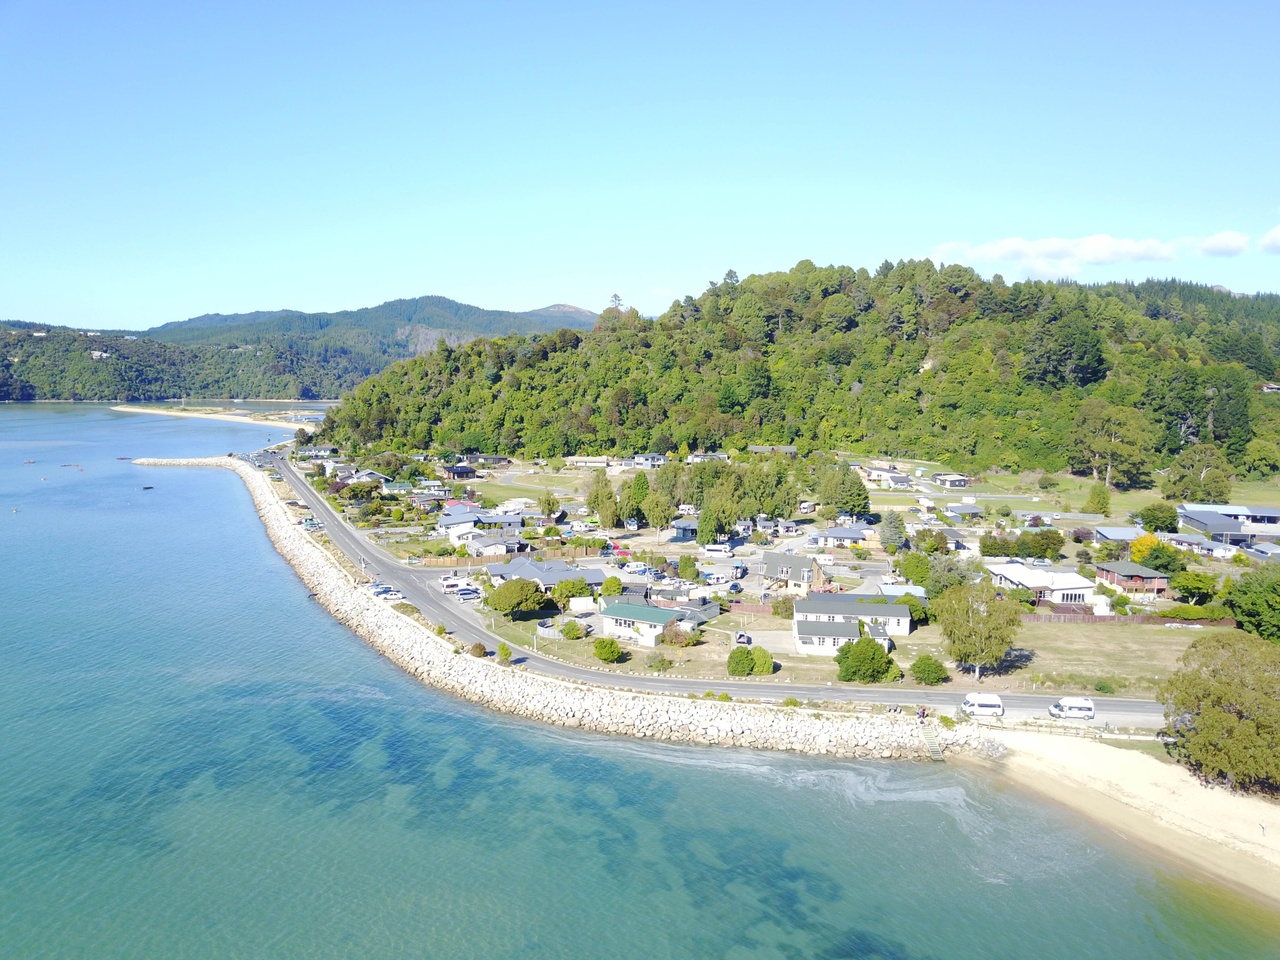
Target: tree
x=740, y=662
x=762, y=662
x=929, y=670
x=1112, y=443
x=607, y=650
x=566, y=590
x=947, y=570
x=893, y=532
x=571, y=630
x=517, y=596
x=1254, y=600
x=863, y=662
x=658, y=509
x=687, y=568
x=612, y=587
x=978, y=627
x=1165, y=558
x=1143, y=545
x=1199, y=474
x=674, y=635
x=504, y=652
x=1157, y=518
x=1194, y=587
x=1223, y=707
x=914, y=566
x=1099, y=500
x=549, y=505
x=657, y=661
x=601, y=500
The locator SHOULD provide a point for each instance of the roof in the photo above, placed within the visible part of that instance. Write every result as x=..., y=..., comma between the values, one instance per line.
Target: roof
x=548, y=572
x=1118, y=533
x=1211, y=521
x=849, y=606
x=902, y=589
x=965, y=509
x=826, y=628
x=1036, y=578
x=788, y=566
x=643, y=613
x=1129, y=569
x=1231, y=510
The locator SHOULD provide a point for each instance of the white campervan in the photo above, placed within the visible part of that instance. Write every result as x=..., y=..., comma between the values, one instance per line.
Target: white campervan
x=719, y=550
x=983, y=705
x=1081, y=708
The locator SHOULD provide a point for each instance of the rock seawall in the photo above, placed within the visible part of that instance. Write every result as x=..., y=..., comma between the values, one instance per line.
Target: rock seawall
x=678, y=719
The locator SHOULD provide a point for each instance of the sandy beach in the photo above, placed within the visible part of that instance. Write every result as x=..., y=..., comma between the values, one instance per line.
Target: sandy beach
x=279, y=419
x=1231, y=838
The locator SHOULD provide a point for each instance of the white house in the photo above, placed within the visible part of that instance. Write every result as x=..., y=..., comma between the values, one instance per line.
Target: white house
x=1051, y=585
x=651, y=461
x=706, y=457
x=823, y=623
x=637, y=622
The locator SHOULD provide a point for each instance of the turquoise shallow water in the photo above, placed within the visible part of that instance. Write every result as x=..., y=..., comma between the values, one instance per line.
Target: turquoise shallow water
x=196, y=761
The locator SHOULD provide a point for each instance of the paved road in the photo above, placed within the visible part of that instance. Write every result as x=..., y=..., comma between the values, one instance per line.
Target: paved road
x=467, y=624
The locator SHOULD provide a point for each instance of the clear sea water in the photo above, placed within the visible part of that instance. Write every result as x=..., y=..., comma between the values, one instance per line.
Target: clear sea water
x=196, y=761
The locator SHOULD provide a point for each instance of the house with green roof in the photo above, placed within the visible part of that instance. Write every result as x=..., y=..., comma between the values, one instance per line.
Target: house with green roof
x=637, y=622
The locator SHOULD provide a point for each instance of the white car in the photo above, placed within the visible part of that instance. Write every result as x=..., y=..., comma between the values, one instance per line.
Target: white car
x=716, y=579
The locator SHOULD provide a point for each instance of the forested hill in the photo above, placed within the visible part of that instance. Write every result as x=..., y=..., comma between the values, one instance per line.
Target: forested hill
x=280, y=354
x=908, y=361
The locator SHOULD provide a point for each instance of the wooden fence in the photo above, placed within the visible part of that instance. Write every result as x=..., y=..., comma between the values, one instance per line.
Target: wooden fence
x=1120, y=621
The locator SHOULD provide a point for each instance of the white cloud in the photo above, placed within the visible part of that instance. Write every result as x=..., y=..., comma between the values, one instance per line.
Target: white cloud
x=1228, y=243
x=1060, y=256
x=1270, y=242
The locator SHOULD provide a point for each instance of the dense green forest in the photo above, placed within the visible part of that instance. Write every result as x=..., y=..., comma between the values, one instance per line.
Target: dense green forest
x=278, y=355
x=908, y=360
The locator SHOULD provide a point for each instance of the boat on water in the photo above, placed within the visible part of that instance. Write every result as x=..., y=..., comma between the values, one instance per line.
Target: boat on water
x=124, y=458
x=148, y=488
x=28, y=461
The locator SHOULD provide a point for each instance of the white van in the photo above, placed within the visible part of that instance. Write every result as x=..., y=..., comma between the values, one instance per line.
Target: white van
x=635, y=566
x=983, y=705
x=1081, y=708
x=721, y=550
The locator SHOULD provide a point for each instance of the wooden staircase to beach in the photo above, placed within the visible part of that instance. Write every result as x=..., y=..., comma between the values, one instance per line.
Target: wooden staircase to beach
x=930, y=738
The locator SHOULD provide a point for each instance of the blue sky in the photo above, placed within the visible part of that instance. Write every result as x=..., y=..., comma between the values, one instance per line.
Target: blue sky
x=158, y=162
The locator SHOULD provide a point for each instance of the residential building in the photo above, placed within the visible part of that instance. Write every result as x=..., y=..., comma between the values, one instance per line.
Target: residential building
x=594, y=463
x=1134, y=579
x=847, y=537
x=545, y=574
x=1199, y=544
x=706, y=457
x=788, y=573
x=685, y=530
x=896, y=481
x=951, y=481
x=964, y=511
x=1052, y=585
x=1117, y=534
x=307, y=453
x=458, y=521
x=651, y=461
x=824, y=622
x=774, y=448
x=1253, y=522
x=637, y=622
x=460, y=471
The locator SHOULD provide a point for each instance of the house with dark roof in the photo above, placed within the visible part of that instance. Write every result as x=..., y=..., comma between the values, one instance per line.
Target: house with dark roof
x=685, y=530
x=788, y=573
x=1251, y=523
x=1133, y=579
x=460, y=471
x=1116, y=534
x=545, y=574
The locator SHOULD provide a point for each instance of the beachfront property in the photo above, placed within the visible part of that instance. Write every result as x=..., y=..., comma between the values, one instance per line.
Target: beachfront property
x=546, y=574
x=823, y=622
x=1133, y=579
x=637, y=622
x=1052, y=586
x=787, y=573
x=311, y=453
x=459, y=521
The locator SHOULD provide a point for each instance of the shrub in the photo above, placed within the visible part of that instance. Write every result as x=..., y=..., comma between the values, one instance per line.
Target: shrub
x=397, y=514
x=740, y=662
x=1103, y=687
x=656, y=661
x=928, y=670
x=863, y=662
x=761, y=662
x=676, y=636
x=504, y=652
x=709, y=695
x=784, y=607
x=571, y=630
x=947, y=722
x=441, y=630
x=607, y=650
x=1189, y=611
x=724, y=698
x=790, y=702
x=478, y=650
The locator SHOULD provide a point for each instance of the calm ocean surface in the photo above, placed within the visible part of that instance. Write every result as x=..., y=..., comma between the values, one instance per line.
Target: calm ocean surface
x=196, y=761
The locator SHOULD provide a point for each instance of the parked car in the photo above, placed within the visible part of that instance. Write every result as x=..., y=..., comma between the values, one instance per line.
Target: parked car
x=735, y=588
x=468, y=594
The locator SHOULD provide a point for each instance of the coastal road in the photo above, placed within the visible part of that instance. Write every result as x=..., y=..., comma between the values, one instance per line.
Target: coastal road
x=467, y=624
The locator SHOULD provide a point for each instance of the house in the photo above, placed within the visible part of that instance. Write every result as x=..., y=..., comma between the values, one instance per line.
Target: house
x=847, y=537
x=898, y=590
x=637, y=622
x=685, y=530
x=1134, y=579
x=823, y=623
x=487, y=460
x=591, y=463
x=1117, y=534
x=1199, y=544
x=742, y=528
x=396, y=488
x=307, y=453
x=766, y=526
x=1251, y=522
x=788, y=528
x=460, y=471
x=545, y=574
x=1264, y=551
x=951, y=481
x=687, y=510
x=792, y=574
x=459, y=520
x=706, y=457
x=774, y=448
x=896, y=481
x=651, y=461
x=368, y=476
x=964, y=511
x=1051, y=585
x=482, y=546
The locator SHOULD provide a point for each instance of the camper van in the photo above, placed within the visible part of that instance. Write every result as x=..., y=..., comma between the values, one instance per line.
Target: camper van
x=1081, y=708
x=718, y=550
x=983, y=705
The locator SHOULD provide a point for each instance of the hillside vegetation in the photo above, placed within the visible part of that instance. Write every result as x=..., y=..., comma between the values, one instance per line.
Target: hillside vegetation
x=907, y=361
x=278, y=355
